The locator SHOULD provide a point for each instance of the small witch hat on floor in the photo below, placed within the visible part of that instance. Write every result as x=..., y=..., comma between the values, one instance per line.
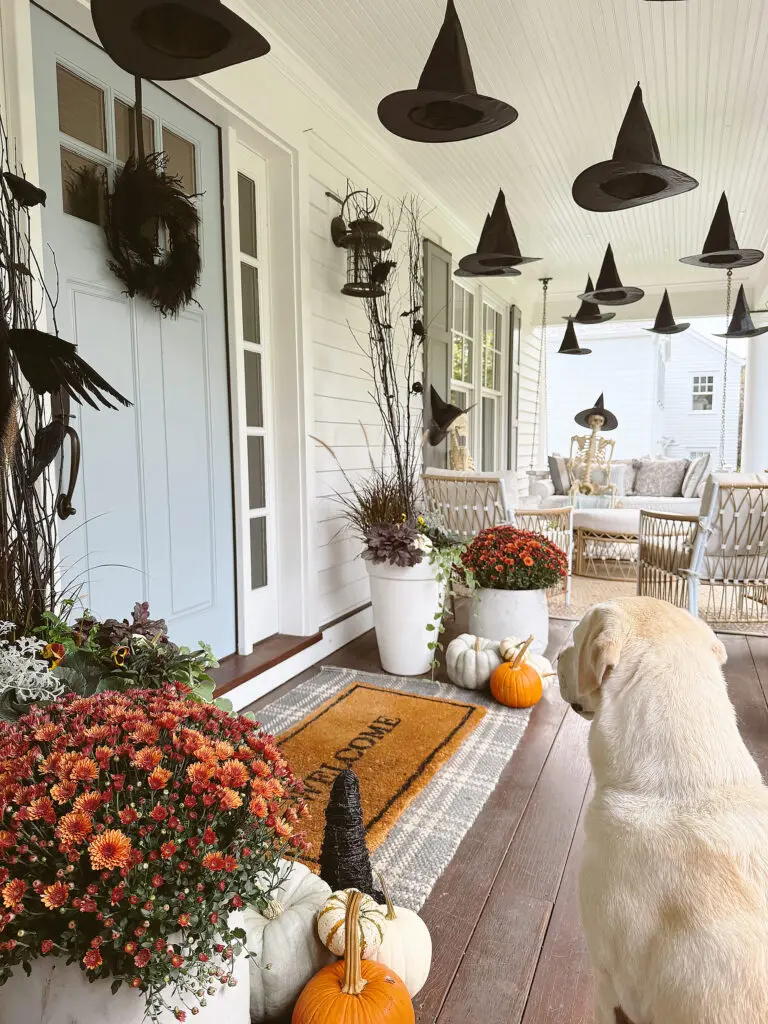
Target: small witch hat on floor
x=570, y=345
x=635, y=174
x=589, y=312
x=741, y=325
x=498, y=248
x=344, y=859
x=598, y=409
x=721, y=250
x=498, y=272
x=164, y=40
x=609, y=290
x=446, y=106
x=665, y=321
x=443, y=415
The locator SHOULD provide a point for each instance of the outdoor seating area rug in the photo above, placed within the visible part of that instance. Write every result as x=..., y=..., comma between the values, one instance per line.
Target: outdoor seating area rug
x=428, y=756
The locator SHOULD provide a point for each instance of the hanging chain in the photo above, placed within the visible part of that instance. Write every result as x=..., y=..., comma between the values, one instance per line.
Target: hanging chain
x=725, y=371
x=542, y=382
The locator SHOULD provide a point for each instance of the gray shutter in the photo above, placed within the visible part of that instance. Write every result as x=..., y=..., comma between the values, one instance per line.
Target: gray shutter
x=513, y=385
x=438, y=321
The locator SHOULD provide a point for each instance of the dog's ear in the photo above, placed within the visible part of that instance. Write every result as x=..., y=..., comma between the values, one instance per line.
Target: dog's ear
x=600, y=648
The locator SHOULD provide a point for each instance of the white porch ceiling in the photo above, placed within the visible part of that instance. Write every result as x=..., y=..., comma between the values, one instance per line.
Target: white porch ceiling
x=569, y=67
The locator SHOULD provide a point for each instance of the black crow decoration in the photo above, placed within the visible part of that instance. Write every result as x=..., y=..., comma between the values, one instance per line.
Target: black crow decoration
x=24, y=192
x=50, y=363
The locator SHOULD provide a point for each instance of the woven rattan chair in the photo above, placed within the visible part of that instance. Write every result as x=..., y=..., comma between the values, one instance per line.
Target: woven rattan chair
x=714, y=564
x=471, y=502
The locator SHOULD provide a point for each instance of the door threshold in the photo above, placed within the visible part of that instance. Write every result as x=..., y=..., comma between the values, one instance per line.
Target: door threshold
x=239, y=668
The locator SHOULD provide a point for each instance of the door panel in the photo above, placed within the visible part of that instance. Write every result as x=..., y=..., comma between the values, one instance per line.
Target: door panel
x=155, y=496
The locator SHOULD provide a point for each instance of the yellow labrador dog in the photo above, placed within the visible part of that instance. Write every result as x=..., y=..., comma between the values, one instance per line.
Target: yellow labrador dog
x=674, y=882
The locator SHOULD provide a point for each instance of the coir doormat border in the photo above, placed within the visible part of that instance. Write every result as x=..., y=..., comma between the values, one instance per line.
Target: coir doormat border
x=379, y=825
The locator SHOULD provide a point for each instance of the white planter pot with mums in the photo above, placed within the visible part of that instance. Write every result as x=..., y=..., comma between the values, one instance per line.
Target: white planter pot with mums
x=496, y=614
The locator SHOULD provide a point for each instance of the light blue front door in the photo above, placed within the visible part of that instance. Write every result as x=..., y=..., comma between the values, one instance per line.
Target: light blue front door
x=154, y=500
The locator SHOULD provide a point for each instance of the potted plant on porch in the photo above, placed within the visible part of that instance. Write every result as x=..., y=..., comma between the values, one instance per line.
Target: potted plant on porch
x=512, y=570
x=134, y=828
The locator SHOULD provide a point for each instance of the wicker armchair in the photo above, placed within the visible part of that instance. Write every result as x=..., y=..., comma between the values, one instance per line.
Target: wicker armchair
x=715, y=564
x=471, y=502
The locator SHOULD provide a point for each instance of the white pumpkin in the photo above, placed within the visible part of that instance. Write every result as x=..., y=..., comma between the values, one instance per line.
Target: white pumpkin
x=331, y=924
x=285, y=941
x=508, y=649
x=407, y=945
x=470, y=662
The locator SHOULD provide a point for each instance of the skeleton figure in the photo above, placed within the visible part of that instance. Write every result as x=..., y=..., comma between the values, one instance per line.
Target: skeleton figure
x=591, y=455
x=459, y=454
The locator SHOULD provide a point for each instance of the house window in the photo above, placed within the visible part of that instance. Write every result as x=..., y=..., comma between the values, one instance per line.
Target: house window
x=463, y=346
x=698, y=455
x=491, y=405
x=703, y=393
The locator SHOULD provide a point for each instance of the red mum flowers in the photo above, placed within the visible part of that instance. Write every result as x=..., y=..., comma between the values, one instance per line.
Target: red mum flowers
x=110, y=850
x=505, y=558
x=54, y=896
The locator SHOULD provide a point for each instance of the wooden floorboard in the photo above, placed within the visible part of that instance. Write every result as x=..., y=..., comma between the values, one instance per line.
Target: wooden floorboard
x=504, y=916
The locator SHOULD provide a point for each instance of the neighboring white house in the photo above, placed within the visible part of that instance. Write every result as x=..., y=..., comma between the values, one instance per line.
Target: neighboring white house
x=667, y=392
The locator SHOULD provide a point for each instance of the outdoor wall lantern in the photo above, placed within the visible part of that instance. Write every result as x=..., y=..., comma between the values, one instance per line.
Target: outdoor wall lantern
x=367, y=272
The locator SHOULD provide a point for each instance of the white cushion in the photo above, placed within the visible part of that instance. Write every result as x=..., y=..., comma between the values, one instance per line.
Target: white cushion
x=696, y=476
x=679, y=506
x=611, y=520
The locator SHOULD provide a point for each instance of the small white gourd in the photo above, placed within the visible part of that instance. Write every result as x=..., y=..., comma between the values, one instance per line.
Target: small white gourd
x=470, y=661
x=331, y=924
x=509, y=648
x=407, y=945
x=285, y=942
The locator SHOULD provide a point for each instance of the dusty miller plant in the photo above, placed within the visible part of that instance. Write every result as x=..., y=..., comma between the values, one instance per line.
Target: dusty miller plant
x=24, y=673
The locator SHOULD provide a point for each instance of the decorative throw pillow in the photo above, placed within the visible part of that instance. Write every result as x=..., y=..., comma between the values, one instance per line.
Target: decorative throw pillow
x=695, y=476
x=630, y=474
x=660, y=478
x=561, y=476
x=619, y=477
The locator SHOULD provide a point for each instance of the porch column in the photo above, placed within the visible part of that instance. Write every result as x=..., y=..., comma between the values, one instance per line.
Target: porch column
x=754, y=458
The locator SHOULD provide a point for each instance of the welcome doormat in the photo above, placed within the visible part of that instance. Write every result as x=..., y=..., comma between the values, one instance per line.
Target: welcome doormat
x=430, y=828
x=395, y=742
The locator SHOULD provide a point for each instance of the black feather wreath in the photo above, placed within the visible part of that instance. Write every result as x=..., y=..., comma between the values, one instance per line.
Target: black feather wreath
x=144, y=200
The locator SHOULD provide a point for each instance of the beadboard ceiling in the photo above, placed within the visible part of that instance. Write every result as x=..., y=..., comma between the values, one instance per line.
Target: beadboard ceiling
x=569, y=67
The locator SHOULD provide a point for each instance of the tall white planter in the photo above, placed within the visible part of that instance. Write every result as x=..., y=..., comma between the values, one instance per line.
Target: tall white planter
x=57, y=993
x=405, y=601
x=496, y=614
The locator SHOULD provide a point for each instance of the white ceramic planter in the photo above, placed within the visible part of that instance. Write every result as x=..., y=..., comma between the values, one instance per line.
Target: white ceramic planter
x=496, y=614
x=405, y=600
x=57, y=993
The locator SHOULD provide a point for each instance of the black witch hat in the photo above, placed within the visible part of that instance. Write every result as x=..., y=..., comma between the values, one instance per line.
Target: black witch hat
x=498, y=248
x=598, y=409
x=570, y=345
x=446, y=106
x=741, y=325
x=635, y=175
x=169, y=39
x=498, y=272
x=665, y=321
x=589, y=312
x=610, y=291
x=721, y=250
x=443, y=415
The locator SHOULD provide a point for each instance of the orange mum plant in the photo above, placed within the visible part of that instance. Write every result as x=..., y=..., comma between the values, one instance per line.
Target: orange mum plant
x=131, y=826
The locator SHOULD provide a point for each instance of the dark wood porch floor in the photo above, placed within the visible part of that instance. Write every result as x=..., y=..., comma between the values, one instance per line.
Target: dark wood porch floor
x=504, y=916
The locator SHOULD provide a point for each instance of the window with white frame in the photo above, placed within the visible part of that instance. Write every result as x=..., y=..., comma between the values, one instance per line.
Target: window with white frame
x=699, y=454
x=491, y=386
x=703, y=393
x=463, y=347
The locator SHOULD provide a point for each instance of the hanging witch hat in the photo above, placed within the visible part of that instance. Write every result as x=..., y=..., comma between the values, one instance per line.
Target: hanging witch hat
x=498, y=272
x=741, y=325
x=570, y=345
x=598, y=409
x=721, y=250
x=443, y=415
x=498, y=248
x=169, y=39
x=589, y=312
x=446, y=106
x=635, y=174
x=610, y=291
x=665, y=321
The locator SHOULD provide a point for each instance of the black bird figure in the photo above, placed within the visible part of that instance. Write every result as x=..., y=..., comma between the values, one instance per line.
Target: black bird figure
x=418, y=329
x=417, y=388
x=380, y=271
x=50, y=363
x=48, y=442
x=24, y=192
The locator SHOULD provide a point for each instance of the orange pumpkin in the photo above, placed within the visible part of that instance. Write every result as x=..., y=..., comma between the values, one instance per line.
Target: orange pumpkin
x=516, y=683
x=354, y=991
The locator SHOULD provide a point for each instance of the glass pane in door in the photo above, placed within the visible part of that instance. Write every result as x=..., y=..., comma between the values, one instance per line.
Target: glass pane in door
x=81, y=109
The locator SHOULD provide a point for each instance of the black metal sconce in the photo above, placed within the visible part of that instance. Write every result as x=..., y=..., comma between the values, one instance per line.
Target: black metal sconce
x=367, y=272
